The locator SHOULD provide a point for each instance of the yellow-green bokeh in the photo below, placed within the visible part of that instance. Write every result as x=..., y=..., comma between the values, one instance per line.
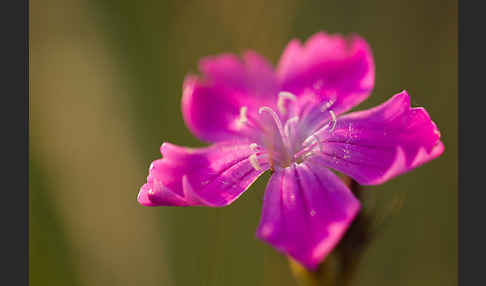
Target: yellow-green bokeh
x=105, y=81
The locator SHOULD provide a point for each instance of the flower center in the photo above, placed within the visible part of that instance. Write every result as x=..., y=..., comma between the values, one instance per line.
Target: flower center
x=290, y=134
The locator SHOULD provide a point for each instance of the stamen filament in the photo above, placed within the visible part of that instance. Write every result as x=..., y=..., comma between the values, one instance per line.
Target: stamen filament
x=318, y=142
x=329, y=103
x=332, y=124
x=288, y=123
x=274, y=116
x=282, y=96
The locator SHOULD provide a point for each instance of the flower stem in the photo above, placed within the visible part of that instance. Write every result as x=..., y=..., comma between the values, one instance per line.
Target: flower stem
x=324, y=276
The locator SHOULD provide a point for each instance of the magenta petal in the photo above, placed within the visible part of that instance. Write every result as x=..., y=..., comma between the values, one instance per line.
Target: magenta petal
x=337, y=69
x=211, y=105
x=375, y=145
x=252, y=73
x=213, y=176
x=306, y=210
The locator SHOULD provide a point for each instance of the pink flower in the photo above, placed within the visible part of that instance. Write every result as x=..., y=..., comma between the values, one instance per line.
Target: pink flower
x=290, y=120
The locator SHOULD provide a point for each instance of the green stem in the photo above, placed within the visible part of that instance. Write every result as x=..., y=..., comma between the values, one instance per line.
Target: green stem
x=324, y=276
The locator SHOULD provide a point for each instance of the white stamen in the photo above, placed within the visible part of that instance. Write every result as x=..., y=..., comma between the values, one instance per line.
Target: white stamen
x=254, y=162
x=307, y=155
x=243, y=119
x=329, y=127
x=308, y=140
x=287, y=125
x=274, y=116
x=329, y=103
x=325, y=106
x=282, y=96
x=334, y=120
x=254, y=147
x=318, y=142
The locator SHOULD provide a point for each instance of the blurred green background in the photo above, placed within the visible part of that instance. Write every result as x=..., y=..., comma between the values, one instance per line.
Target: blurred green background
x=106, y=81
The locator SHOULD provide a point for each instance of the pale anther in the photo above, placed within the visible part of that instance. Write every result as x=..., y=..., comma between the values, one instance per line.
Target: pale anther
x=334, y=120
x=282, y=96
x=243, y=119
x=254, y=147
x=254, y=162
